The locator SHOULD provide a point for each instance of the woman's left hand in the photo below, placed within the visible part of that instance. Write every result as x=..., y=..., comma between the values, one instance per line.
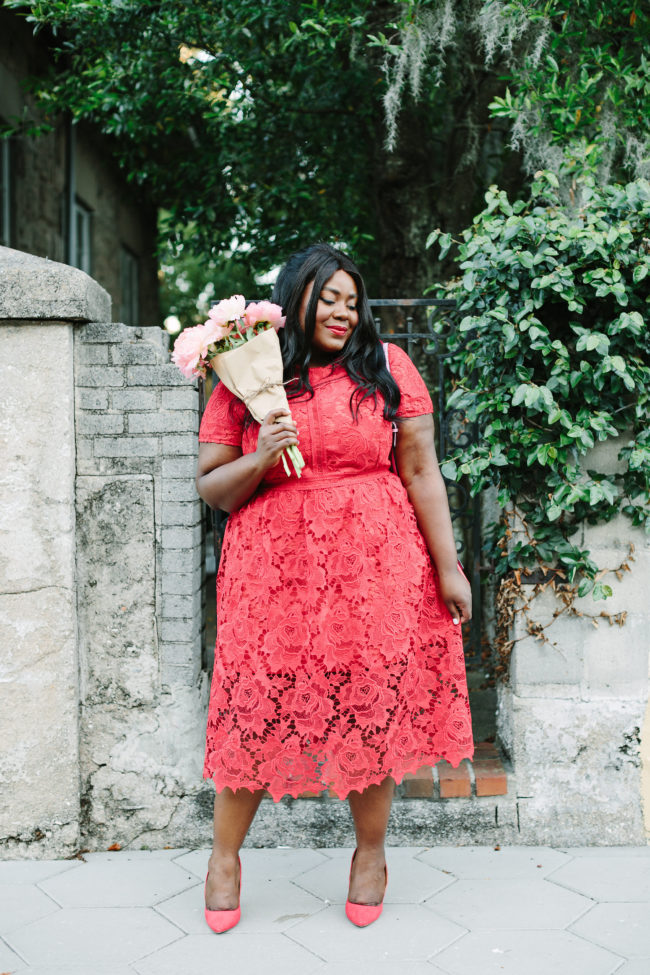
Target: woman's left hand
x=457, y=595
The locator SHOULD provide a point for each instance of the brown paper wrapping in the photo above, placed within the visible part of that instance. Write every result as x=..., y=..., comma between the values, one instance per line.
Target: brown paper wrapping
x=254, y=373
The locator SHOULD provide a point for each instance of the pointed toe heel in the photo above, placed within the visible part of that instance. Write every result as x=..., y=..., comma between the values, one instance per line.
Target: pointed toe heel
x=220, y=921
x=364, y=914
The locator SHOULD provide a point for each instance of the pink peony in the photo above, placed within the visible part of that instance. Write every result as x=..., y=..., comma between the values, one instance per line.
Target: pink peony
x=189, y=350
x=228, y=310
x=264, y=311
x=214, y=332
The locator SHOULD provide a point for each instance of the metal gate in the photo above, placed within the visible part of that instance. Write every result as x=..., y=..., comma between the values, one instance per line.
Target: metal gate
x=421, y=326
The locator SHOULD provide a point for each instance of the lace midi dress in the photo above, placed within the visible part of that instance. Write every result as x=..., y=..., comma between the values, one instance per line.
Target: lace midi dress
x=336, y=663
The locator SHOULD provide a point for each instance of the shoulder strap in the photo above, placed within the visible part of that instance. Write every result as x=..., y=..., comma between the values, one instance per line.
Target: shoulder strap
x=385, y=347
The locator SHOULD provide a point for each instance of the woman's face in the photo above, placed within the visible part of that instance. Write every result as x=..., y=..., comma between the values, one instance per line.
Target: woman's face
x=336, y=315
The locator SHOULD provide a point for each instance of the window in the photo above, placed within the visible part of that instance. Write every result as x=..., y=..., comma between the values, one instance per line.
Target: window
x=82, y=234
x=128, y=287
x=5, y=193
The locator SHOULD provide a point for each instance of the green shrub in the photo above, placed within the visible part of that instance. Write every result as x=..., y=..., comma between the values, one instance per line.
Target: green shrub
x=551, y=355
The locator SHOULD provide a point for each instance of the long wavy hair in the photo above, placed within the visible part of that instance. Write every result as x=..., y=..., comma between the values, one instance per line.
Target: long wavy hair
x=362, y=356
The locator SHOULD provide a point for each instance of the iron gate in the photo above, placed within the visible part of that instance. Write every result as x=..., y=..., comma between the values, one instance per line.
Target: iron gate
x=410, y=323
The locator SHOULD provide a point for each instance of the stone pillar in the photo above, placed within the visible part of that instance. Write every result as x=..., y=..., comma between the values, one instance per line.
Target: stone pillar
x=140, y=574
x=40, y=301
x=572, y=715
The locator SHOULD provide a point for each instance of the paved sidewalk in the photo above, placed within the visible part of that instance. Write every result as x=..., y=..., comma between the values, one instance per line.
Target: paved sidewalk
x=448, y=911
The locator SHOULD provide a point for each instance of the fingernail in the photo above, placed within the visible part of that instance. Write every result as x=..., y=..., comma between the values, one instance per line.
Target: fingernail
x=455, y=620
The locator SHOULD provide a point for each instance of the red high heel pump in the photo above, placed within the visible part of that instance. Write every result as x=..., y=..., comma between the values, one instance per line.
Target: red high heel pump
x=364, y=914
x=220, y=921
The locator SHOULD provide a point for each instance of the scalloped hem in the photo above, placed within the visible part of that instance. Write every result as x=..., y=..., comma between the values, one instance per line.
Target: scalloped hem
x=338, y=790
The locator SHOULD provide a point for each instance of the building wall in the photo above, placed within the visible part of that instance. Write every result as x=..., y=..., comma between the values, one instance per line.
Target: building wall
x=121, y=216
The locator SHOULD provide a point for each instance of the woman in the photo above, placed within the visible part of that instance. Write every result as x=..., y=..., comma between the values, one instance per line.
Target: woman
x=339, y=659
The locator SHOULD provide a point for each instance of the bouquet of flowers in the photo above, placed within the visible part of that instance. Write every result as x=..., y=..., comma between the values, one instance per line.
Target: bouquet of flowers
x=241, y=344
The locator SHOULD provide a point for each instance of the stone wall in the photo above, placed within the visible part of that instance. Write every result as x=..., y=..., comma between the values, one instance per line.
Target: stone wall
x=102, y=683
x=39, y=795
x=139, y=576
x=573, y=716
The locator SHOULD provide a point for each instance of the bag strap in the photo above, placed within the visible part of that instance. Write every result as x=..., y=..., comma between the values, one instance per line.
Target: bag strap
x=394, y=425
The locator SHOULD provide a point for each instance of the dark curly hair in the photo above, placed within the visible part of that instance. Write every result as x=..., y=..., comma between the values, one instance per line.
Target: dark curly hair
x=362, y=356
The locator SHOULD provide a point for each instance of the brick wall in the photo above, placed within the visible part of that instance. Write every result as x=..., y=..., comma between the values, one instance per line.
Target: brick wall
x=140, y=584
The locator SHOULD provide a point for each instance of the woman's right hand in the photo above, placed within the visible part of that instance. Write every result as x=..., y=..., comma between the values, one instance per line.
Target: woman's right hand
x=277, y=432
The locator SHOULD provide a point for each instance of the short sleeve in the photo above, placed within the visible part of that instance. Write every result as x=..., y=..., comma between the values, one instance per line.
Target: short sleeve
x=223, y=419
x=416, y=400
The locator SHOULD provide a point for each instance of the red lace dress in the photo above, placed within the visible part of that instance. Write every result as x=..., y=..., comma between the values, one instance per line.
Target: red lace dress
x=337, y=663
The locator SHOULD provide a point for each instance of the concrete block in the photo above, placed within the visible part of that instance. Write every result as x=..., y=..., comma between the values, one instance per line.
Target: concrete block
x=185, y=513
x=38, y=459
x=179, y=630
x=136, y=353
x=120, y=465
x=616, y=660
x=179, y=654
x=179, y=490
x=184, y=398
x=134, y=399
x=86, y=462
x=181, y=560
x=92, y=399
x=182, y=467
x=589, y=747
x=176, y=445
x=179, y=583
x=181, y=537
x=535, y=662
x=39, y=736
x=94, y=354
x=179, y=607
x=89, y=424
x=186, y=676
x=125, y=447
x=99, y=376
x=34, y=288
x=162, y=375
x=117, y=580
x=177, y=421
x=104, y=331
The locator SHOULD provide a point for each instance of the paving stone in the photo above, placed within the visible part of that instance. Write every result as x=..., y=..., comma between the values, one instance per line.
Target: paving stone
x=606, y=851
x=258, y=865
x=516, y=903
x=486, y=863
x=624, y=878
x=119, y=882
x=532, y=952
x=109, y=856
x=33, y=871
x=78, y=936
x=97, y=969
x=235, y=951
x=409, y=880
x=404, y=933
x=9, y=960
x=363, y=967
x=640, y=966
x=20, y=904
x=623, y=928
x=267, y=906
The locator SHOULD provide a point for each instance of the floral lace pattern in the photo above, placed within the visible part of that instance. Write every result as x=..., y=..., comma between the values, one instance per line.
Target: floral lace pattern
x=337, y=663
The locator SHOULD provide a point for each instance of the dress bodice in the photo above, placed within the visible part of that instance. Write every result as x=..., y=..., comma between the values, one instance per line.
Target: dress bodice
x=334, y=440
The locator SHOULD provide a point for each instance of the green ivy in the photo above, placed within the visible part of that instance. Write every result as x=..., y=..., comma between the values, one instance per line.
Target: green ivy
x=551, y=356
